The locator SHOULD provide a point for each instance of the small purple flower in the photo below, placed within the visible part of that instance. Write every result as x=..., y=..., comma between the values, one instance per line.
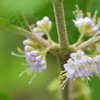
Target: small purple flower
x=80, y=66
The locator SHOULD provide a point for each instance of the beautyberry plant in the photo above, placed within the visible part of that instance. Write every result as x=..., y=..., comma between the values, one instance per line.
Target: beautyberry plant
x=74, y=61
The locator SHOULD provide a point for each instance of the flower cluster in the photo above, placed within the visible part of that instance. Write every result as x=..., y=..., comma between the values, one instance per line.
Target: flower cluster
x=34, y=58
x=43, y=26
x=80, y=66
x=86, y=25
x=33, y=52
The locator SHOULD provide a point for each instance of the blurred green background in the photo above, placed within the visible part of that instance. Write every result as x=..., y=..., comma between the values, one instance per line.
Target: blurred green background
x=14, y=88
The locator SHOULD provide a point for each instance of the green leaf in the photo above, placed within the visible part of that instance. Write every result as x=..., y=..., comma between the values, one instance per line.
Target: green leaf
x=11, y=20
x=5, y=25
x=17, y=18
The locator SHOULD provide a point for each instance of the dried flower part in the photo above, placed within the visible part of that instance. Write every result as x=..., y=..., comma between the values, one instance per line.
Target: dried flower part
x=80, y=66
x=86, y=25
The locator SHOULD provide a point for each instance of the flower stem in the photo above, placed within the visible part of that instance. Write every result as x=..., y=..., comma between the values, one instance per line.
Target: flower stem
x=80, y=40
x=89, y=43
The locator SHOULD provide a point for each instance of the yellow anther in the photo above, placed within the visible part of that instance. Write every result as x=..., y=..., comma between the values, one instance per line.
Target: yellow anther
x=76, y=11
x=76, y=49
x=89, y=79
x=80, y=11
x=98, y=18
x=83, y=79
x=22, y=63
x=92, y=70
x=18, y=49
x=74, y=79
x=73, y=12
x=88, y=13
x=94, y=65
x=63, y=81
x=68, y=62
x=86, y=83
x=61, y=77
x=65, y=74
x=32, y=26
x=61, y=72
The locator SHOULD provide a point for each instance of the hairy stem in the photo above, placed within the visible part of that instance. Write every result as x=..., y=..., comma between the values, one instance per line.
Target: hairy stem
x=89, y=43
x=61, y=26
x=65, y=94
x=64, y=51
x=35, y=38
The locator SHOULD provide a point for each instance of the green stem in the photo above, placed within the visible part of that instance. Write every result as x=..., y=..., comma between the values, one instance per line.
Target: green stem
x=65, y=94
x=61, y=26
x=80, y=40
x=64, y=50
x=90, y=42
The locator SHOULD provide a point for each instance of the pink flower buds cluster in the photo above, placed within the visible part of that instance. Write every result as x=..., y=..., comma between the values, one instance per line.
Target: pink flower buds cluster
x=80, y=66
x=32, y=57
x=43, y=26
x=35, y=59
x=86, y=25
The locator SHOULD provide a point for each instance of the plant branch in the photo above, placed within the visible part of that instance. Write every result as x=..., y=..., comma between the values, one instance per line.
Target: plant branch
x=80, y=40
x=64, y=50
x=53, y=47
x=61, y=26
x=89, y=43
x=35, y=38
x=64, y=93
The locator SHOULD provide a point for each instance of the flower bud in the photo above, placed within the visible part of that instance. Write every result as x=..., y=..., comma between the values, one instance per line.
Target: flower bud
x=42, y=62
x=38, y=58
x=43, y=67
x=34, y=53
x=25, y=42
x=27, y=48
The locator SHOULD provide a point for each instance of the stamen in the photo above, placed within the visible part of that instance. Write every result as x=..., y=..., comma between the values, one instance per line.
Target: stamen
x=86, y=85
x=89, y=14
x=94, y=16
x=74, y=14
x=74, y=79
x=32, y=78
x=23, y=72
x=83, y=79
x=64, y=83
x=62, y=72
x=25, y=64
x=87, y=77
x=32, y=26
x=20, y=51
x=14, y=54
